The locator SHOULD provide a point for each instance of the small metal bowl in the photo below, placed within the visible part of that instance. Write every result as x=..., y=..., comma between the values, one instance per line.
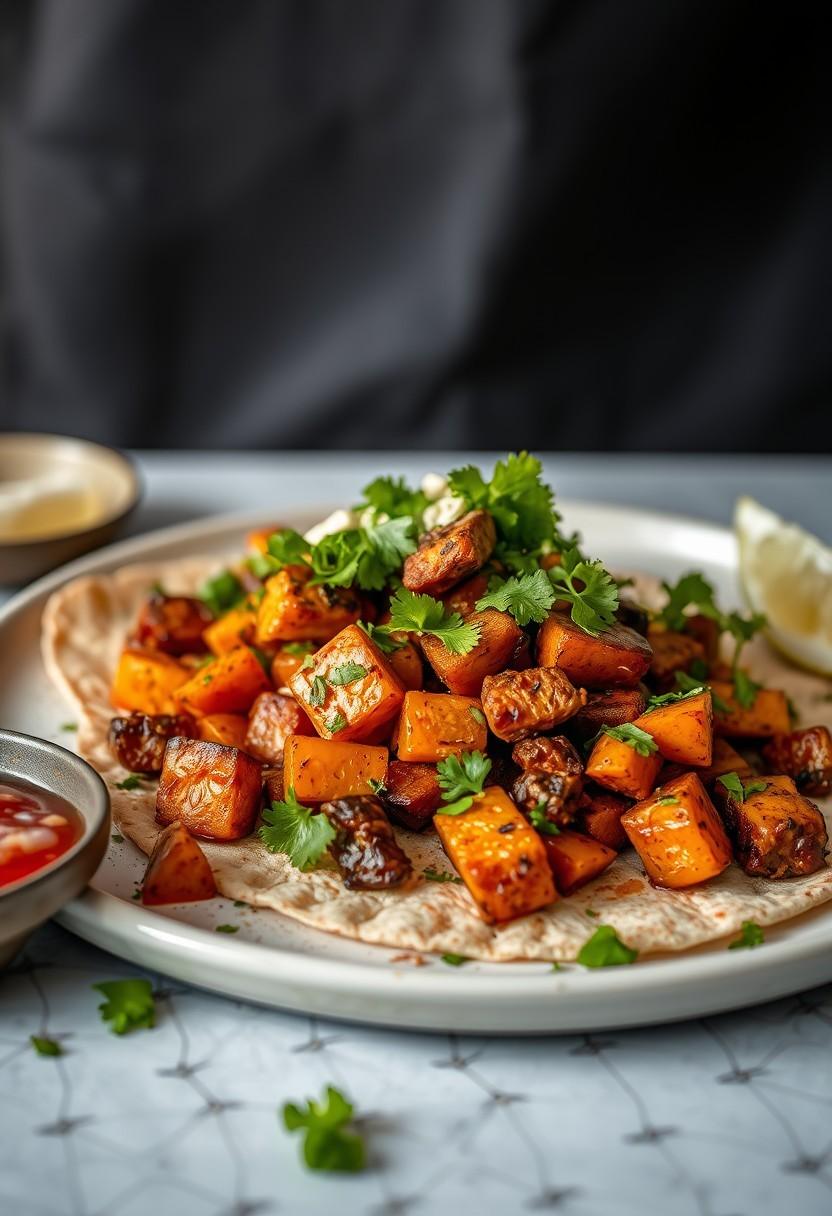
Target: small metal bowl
x=108, y=473
x=30, y=901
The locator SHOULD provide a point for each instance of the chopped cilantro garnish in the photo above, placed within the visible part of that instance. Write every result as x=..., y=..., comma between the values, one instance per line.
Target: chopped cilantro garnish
x=131, y=782
x=129, y=1004
x=667, y=800
x=689, y=684
x=670, y=698
x=291, y=828
x=454, y=960
x=692, y=590
x=440, y=876
x=288, y=548
x=393, y=497
x=317, y=693
x=226, y=928
x=336, y=723
x=528, y=597
x=327, y=1142
x=590, y=591
x=222, y=592
x=751, y=935
x=69, y=726
x=541, y=823
x=347, y=673
x=636, y=738
x=376, y=787
x=477, y=714
x=460, y=778
x=44, y=1046
x=381, y=636
x=739, y=792
x=422, y=614
x=605, y=949
x=518, y=499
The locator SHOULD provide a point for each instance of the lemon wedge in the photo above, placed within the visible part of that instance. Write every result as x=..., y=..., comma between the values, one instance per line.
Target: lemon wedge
x=786, y=573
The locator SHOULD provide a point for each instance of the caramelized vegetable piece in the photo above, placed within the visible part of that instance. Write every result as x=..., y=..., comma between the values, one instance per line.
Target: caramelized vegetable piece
x=274, y=788
x=520, y=703
x=412, y=793
x=323, y=770
x=633, y=615
x=365, y=847
x=672, y=652
x=678, y=834
x=234, y=628
x=617, y=656
x=226, y=686
x=229, y=729
x=214, y=790
x=138, y=742
x=777, y=833
x=463, y=598
x=610, y=707
x=177, y=871
x=293, y=609
x=435, y=724
x=407, y=664
x=769, y=715
x=499, y=857
x=805, y=756
x=173, y=624
x=287, y=660
x=551, y=777
x=600, y=817
x=350, y=690
x=502, y=642
x=549, y=754
x=576, y=859
x=683, y=729
x=273, y=718
x=449, y=554
x=145, y=680
x=725, y=759
x=619, y=767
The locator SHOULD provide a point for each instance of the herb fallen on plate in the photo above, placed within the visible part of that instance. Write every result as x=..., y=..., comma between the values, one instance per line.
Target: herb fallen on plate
x=328, y=1142
x=68, y=726
x=131, y=782
x=440, y=876
x=751, y=935
x=227, y=929
x=44, y=1046
x=129, y=1005
x=461, y=778
x=454, y=960
x=302, y=834
x=605, y=949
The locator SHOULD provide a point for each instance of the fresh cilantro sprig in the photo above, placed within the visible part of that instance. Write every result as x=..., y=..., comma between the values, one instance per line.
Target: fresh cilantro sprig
x=222, y=592
x=688, y=685
x=366, y=557
x=391, y=496
x=528, y=597
x=671, y=698
x=739, y=791
x=382, y=637
x=328, y=1144
x=129, y=1005
x=605, y=949
x=639, y=740
x=421, y=614
x=692, y=590
x=291, y=828
x=541, y=822
x=589, y=589
x=460, y=779
x=751, y=935
x=521, y=504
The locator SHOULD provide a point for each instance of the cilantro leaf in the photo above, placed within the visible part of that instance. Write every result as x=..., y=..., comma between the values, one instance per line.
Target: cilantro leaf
x=751, y=935
x=44, y=1046
x=739, y=792
x=639, y=740
x=440, y=876
x=69, y=726
x=454, y=960
x=347, y=673
x=222, y=592
x=527, y=598
x=688, y=684
x=380, y=634
x=422, y=614
x=393, y=497
x=317, y=693
x=667, y=800
x=387, y=545
x=670, y=698
x=288, y=548
x=131, y=782
x=605, y=949
x=336, y=723
x=291, y=828
x=129, y=1005
x=541, y=823
x=518, y=499
x=745, y=689
x=227, y=929
x=692, y=590
x=593, y=605
x=327, y=1144
x=462, y=775
x=376, y=787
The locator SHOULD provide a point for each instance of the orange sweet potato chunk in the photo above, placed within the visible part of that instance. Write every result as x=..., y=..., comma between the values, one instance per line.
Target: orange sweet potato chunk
x=273, y=718
x=322, y=770
x=287, y=659
x=620, y=768
x=145, y=681
x=436, y=724
x=618, y=656
x=214, y=790
x=407, y=664
x=229, y=729
x=683, y=730
x=769, y=715
x=177, y=871
x=501, y=643
x=226, y=686
x=294, y=609
x=499, y=857
x=600, y=818
x=678, y=834
x=576, y=859
x=234, y=628
x=448, y=555
x=349, y=689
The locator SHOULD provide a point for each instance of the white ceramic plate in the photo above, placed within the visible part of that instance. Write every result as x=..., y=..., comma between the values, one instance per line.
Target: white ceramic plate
x=278, y=962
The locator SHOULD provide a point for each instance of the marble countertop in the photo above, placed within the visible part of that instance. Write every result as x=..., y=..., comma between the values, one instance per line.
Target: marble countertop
x=725, y=1116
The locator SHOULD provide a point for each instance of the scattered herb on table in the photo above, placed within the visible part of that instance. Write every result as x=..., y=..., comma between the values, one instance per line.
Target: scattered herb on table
x=129, y=1005
x=131, y=782
x=328, y=1142
x=44, y=1046
x=68, y=726
x=227, y=929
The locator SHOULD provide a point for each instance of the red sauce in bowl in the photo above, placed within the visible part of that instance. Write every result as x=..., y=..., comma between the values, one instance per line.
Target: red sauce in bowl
x=36, y=827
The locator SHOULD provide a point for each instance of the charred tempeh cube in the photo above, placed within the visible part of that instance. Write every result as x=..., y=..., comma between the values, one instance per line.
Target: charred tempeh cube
x=273, y=718
x=805, y=756
x=672, y=652
x=173, y=624
x=551, y=754
x=411, y=793
x=502, y=643
x=777, y=833
x=214, y=790
x=521, y=703
x=617, y=656
x=138, y=742
x=448, y=555
x=610, y=707
x=551, y=777
x=365, y=847
x=273, y=784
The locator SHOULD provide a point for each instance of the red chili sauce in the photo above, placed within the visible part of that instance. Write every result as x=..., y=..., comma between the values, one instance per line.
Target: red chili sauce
x=36, y=826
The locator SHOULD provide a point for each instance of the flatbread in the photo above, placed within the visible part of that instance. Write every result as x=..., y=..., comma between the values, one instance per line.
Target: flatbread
x=84, y=626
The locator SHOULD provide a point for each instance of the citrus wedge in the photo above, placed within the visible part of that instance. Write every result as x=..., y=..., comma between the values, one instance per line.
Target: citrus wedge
x=786, y=573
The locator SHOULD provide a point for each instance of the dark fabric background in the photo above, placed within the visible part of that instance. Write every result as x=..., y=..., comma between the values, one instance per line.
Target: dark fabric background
x=384, y=223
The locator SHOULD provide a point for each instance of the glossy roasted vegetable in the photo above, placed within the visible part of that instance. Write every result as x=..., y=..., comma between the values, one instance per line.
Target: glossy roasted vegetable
x=173, y=624
x=621, y=768
x=214, y=790
x=365, y=848
x=499, y=857
x=463, y=598
x=407, y=663
x=576, y=859
x=769, y=715
x=725, y=759
x=177, y=871
x=145, y=681
x=522, y=703
x=502, y=643
x=450, y=554
x=600, y=817
x=608, y=707
x=412, y=793
x=434, y=725
x=323, y=770
x=234, y=628
x=617, y=656
x=272, y=719
x=138, y=742
x=672, y=652
x=229, y=729
x=678, y=834
x=228, y=685
x=805, y=756
x=777, y=833
x=294, y=609
x=683, y=730
x=551, y=779
x=288, y=659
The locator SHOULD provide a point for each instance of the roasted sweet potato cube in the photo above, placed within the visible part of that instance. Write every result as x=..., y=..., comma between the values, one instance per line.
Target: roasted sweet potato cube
x=805, y=756
x=620, y=768
x=214, y=790
x=138, y=742
x=499, y=857
x=725, y=759
x=412, y=793
x=365, y=848
x=501, y=643
x=678, y=834
x=608, y=707
x=683, y=730
x=145, y=681
x=618, y=656
x=448, y=555
x=407, y=664
x=433, y=725
x=173, y=624
x=273, y=718
x=229, y=729
x=349, y=689
x=228, y=685
x=769, y=715
x=576, y=859
x=294, y=609
x=777, y=833
x=522, y=703
x=672, y=652
x=322, y=770
x=234, y=628
x=177, y=871
x=463, y=598
x=288, y=659
x=600, y=817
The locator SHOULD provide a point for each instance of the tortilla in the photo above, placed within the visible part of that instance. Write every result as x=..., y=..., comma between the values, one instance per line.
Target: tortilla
x=84, y=627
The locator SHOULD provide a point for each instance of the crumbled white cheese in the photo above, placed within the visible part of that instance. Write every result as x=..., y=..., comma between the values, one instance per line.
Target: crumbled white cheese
x=433, y=486
x=338, y=521
x=444, y=511
x=370, y=516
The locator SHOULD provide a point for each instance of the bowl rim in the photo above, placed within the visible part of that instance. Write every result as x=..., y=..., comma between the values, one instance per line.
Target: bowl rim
x=99, y=813
x=130, y=467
